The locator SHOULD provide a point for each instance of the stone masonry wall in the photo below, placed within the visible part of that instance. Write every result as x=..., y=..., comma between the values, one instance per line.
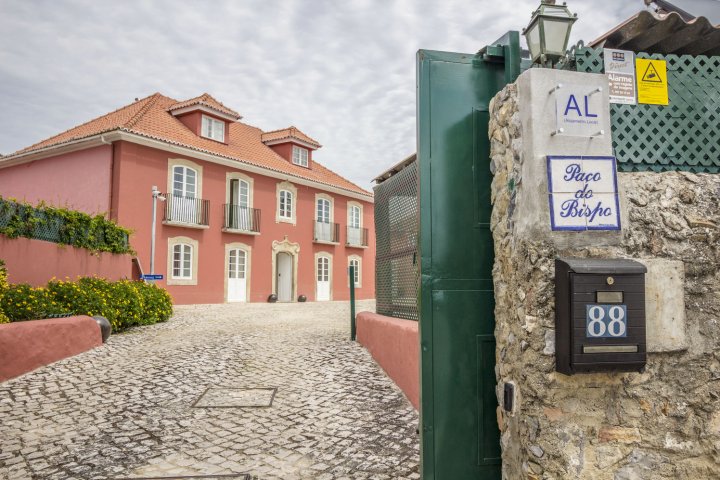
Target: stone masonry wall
x=660, y=424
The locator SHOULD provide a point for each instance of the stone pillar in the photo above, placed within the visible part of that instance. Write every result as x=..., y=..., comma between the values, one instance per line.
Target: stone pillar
x=663, y=423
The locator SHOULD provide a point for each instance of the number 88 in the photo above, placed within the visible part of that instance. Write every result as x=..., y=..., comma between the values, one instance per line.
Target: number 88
x=597, y=328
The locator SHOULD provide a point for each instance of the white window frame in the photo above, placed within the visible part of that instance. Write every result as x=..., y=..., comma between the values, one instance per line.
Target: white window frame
x=358, y=271
x=292, y=190
x=185, y=170
x=194, y=253
x=350, y=206
x=181, y=162
x=286, y=205
x=328, y=198
x=185, y=250
x=300, y=156
x=212, y=128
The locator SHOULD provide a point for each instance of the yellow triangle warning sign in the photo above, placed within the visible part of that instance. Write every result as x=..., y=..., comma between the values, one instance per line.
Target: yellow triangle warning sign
x=651, y=75
x=652, y=81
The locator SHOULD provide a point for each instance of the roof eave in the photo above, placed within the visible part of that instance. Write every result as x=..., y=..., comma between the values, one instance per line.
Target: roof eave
x=135, y=137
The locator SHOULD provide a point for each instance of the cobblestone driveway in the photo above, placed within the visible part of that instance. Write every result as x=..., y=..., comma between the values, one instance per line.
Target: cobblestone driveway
x=127, y=409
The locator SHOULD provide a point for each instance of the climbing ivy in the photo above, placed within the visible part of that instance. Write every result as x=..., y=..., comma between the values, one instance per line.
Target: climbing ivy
x=60, y=225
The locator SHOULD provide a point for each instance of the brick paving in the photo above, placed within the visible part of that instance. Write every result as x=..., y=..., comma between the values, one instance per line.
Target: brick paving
x=128, y=409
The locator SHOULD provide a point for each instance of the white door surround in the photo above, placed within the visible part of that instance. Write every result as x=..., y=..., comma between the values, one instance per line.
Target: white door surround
x=293, y=250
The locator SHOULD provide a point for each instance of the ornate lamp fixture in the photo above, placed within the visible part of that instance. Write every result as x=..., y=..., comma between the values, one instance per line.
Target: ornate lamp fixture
x=548, y=32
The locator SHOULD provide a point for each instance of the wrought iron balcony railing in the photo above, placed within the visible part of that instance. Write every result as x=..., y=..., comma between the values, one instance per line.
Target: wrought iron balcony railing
x=327, y=232
x=187, y=210
x=241, y=218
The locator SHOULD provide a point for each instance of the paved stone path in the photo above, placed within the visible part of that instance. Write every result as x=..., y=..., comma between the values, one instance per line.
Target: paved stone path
x=128, y=409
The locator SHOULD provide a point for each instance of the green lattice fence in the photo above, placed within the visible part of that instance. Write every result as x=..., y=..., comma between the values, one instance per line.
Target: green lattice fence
x=397, y=227
x=685, y=135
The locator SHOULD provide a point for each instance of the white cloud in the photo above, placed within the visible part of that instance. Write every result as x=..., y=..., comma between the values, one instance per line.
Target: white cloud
x=343, y=72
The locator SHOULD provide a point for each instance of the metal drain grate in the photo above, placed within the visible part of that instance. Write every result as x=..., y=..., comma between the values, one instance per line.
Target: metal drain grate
x=220, y=397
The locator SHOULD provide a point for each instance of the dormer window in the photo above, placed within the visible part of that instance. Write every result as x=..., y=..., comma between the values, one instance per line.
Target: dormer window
x=213, y=129
x=300, y=156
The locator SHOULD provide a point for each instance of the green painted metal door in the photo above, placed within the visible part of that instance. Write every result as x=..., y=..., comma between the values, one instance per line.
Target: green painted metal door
x=459, y=434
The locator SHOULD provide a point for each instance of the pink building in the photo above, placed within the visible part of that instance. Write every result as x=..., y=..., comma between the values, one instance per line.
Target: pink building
x=247, y=213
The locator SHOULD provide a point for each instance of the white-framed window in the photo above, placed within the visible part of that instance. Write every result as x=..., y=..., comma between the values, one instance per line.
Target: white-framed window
x=184, y=181
x=355, y=261
x=239, y=192
x=182, y=261
x=323, y=210
x=287, y=198
x=354, y=215
x=213, y=128
x=238, y=211
x=323, y=269
x=355, y=234
x=300, y=156
x=286, y=205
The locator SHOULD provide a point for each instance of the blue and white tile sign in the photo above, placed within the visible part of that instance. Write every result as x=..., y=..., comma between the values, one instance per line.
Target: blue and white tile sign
x=580, y=110
x=583, y=193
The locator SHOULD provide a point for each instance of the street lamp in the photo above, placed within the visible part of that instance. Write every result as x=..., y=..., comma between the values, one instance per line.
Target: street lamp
x=548, y=32
x=155, y=196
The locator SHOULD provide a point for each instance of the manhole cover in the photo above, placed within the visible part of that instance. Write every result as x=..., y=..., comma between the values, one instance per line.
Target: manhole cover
x=219, y=397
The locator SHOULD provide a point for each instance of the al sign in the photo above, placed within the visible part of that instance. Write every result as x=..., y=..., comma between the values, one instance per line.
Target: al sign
x=583, y=193
x=580, y=110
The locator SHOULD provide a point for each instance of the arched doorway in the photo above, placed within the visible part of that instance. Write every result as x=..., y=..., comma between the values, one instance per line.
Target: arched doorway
x=285, y=269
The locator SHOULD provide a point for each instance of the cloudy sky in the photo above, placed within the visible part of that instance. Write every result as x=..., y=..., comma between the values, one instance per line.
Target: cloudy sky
x=342, y=71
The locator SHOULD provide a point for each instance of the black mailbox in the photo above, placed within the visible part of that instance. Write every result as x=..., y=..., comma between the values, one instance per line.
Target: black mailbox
x=599, y=315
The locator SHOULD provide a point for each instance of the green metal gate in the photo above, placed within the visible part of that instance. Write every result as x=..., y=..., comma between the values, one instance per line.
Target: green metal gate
x=459, y=433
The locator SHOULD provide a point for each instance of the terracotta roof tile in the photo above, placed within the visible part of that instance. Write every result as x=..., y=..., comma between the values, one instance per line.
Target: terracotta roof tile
x=150, y=117
x=207, y=100
x=289, y=133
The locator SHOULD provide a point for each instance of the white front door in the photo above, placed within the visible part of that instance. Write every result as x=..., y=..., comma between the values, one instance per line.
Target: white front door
x=323, y=279
x=284, y=277
x=237, y=275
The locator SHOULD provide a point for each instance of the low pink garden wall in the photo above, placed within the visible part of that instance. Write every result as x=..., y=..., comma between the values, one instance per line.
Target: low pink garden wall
x=395, y=346
x=36, y=261
x=25, y=346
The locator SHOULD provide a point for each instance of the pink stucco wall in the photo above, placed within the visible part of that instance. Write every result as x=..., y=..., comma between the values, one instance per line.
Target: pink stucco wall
x=79, y=180
x=25, y=346
x=138, y=168
x=35, y=262
x=395, y=346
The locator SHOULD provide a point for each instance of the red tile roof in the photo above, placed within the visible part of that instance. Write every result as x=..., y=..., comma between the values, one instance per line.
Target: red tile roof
x=150, y=117
x=289, y=133
x=207, y=100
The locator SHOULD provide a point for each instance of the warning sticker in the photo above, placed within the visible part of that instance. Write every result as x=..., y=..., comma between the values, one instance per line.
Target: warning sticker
x=620, y=70
x=652, y=81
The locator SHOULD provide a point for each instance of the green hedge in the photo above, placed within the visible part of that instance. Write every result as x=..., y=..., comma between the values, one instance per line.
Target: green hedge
x=125, y=303
x=63, y=226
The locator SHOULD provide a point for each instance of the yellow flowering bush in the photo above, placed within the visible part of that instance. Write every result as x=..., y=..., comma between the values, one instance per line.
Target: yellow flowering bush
x=3, y=288
x=125, y=303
